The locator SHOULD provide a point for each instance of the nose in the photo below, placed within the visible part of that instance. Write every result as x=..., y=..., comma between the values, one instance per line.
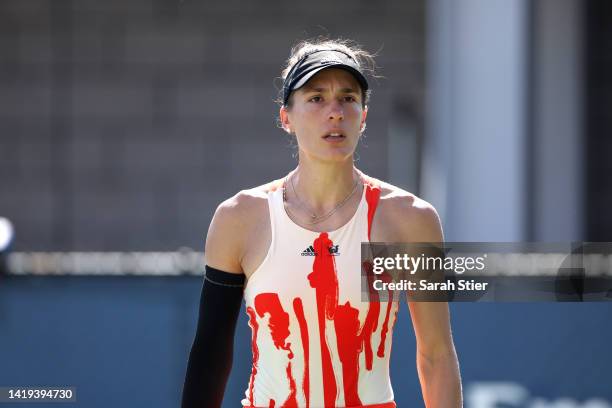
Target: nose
x=336, y=111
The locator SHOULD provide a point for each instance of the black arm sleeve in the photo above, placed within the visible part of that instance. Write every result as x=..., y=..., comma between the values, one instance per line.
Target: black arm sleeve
x=210, y=360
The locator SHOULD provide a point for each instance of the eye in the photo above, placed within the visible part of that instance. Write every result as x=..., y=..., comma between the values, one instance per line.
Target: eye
x=349, y=98
x=316, y=98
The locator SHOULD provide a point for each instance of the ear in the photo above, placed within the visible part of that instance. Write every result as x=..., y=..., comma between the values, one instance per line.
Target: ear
x=284, y=119
x=364, y=115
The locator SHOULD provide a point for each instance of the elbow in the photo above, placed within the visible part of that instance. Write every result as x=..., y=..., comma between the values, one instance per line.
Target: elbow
x=433, y=355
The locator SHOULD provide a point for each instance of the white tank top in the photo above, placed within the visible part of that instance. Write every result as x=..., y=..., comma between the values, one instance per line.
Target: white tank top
x=315, y=343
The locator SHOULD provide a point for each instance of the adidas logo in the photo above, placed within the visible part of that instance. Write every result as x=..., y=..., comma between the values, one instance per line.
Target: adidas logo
x=310, y=251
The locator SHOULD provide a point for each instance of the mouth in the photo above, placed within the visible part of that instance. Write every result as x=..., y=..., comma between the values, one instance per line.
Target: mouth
x=334, y=136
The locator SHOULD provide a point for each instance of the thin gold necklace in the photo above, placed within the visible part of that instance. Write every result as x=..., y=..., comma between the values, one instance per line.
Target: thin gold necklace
x=314, y=218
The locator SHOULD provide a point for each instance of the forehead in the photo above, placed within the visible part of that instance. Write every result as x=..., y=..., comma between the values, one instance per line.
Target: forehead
x=332, y=76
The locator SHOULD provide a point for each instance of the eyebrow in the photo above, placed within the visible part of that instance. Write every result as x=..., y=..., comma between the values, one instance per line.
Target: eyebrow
x=319, y=89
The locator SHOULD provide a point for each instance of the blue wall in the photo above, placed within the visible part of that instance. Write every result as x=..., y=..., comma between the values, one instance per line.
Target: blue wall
x=124, y=342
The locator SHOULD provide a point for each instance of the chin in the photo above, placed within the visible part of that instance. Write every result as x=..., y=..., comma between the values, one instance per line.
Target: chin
x=338, y=156
x=330, y=154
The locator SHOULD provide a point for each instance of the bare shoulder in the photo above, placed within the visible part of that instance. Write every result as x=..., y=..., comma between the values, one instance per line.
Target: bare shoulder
x=404, y=217
x=244, y=207
x=234, y=222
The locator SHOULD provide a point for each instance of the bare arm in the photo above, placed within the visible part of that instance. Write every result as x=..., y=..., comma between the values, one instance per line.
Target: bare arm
x=437, y=362
x=409, y=219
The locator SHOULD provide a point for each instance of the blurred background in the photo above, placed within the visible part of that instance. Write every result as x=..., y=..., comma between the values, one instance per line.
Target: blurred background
x=123, y=124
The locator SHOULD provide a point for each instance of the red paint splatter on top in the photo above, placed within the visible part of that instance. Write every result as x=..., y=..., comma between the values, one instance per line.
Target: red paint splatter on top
x=291, y=401
x=371, y=322
x=372, y=198
x=325, y=282
x=385, y=277
x=255, y=350
x=349, y=342
x=323, y=277
x=279, y=319
x=369, y=327
x=298, y=308
x=279, y=331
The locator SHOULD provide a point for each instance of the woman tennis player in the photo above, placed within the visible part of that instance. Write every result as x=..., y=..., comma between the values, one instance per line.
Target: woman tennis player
x=291, y=249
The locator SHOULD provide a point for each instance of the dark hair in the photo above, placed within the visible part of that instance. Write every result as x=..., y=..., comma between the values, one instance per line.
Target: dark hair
x=364, y=59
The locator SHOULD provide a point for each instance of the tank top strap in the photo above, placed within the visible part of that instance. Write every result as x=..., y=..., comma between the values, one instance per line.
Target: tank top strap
x=372, y=194
x=276, y=187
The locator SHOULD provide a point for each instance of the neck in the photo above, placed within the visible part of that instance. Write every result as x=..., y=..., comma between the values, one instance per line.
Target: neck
x=322, y=186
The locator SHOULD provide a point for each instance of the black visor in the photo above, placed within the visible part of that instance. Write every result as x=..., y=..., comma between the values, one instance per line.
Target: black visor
x=316, y=61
